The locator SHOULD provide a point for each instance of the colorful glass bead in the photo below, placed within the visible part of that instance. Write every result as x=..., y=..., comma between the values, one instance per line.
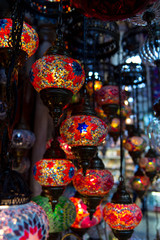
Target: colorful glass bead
x=29, y=37
x=23, y=222
x=134, y=144
x=140, y=183
x=57, y=71
x=94, y=183
x=109, y=10
x=52, y=172
x=109, y=95
x=82, y=215
x=22, y=139
x=83, y=131
x=122, y=216
x=62, y=217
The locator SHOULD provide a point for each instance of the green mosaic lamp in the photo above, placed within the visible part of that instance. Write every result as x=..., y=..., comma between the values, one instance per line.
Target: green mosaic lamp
x=61, y=218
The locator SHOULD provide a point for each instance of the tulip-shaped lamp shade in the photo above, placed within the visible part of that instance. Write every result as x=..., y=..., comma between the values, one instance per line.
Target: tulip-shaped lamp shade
x=22, y=222
x=96, y=182
x=57, y=71
x=82, y=215
x=135, y=146
x=107, y=11
x=62, y=217
x=149, y=163
x=29, y=37
x=121, y=214
x=140, y=182
x=114, y=129
x=53, y=172
x=83, y=130
x=108, y=98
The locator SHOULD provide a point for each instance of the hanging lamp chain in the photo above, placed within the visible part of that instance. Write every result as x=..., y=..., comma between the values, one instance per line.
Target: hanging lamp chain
x=60, y=22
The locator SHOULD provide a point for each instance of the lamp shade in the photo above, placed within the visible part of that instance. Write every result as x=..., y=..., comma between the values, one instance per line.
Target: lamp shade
x=109, y=95
x=94, y=183
x=140, y=183
x=22, y=138
x=52, y=172
x=122, y=216
x=29, y=37
x=62, y=217
x=57, y=71
x=135, y=143
x=82, y=215
x=22, y=222
x=110, y=11
x=83, y=130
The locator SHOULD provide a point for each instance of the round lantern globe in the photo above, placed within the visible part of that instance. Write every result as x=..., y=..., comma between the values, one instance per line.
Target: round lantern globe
x=135, y=144
x=52, y=172
x=62, y=217
x=140, y=183
x=94, y=183
x=26, y=221
x=22, y=139
x=122, y=216
x=97, y=86
x=83, y=130
x=109, y=95
x=82, y=215
x=57, y=71
x=108, y=10
x=29, y=37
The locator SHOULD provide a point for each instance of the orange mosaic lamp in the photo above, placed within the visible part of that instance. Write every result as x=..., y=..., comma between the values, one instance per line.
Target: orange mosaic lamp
x=135, y=145
x=57, y=76
x=29, y=40
x=121, y=214
x=149, y=163
x=82, y=215
x=97, y=86
x=140, y=182
x=114, y=129
x=108, y=98
x=97, y=183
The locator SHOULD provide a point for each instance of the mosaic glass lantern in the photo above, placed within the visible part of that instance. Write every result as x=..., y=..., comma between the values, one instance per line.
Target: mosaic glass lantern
x=108, y=98
x=135, y=146
x=29, y=39
x=83, y=130
x=83, y=133
x=82, y=215
x=121, y=214
x=96, y=182
x=149, y=163
x=57, y=77
x=140, y=182
x=62, y=217
x=22, y=222
x=110, y=11
x=114, y=129
x=52, y=172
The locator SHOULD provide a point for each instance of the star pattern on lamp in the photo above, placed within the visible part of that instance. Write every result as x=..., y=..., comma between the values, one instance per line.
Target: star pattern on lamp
x=82, y=127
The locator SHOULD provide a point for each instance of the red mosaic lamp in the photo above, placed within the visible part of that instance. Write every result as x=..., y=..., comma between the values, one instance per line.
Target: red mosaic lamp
x=110, y=11
x=97, y=183
x=140, y=182
x=53, y=172
x=135, y=144
x=83, y=220
x=114, y=129
x=29, y=42
x=83, y=131
x=108, y=98
x=57, y=76
x=97, y=86
x=121, y=214
x=149, y=163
